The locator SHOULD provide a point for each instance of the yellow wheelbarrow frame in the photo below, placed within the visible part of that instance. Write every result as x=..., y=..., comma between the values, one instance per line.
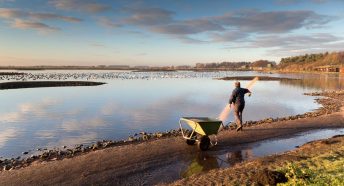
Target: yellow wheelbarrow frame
x=204, y=127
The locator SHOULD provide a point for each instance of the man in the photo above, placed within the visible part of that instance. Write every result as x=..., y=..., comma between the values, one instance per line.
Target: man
x=238, y=100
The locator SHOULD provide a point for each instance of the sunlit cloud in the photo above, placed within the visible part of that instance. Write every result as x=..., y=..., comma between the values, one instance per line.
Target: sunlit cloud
x=25, y=20
x=81, y=5
x=149, y=16
x=10, y=13
x=21, y=24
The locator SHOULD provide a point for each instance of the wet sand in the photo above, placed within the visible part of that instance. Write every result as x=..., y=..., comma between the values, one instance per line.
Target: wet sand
x=39, y=84
x=138, y=164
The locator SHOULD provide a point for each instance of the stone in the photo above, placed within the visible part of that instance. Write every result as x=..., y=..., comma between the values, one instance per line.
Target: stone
x=131, y=138
x=7, y=167
x=159, y=135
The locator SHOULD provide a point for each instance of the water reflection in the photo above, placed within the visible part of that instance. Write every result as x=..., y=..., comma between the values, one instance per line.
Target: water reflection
x=205, y=161
x=202, y=163
x=317, y=81
x=47, y=117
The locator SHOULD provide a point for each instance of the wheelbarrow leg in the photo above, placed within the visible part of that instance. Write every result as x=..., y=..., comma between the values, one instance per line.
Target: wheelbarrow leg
x=192, y=139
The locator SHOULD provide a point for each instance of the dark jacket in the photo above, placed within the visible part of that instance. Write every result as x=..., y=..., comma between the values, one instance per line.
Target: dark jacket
x=238, y=96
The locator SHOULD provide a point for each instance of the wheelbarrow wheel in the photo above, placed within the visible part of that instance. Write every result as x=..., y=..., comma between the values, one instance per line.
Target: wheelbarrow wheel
x=190, y=141
x=204, y=143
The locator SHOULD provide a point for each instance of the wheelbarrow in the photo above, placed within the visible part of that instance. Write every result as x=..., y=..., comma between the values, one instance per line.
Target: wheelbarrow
x=202, y=128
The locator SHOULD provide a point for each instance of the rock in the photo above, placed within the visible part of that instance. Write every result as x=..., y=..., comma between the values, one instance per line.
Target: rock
x=145, y=137
x=131, y=138
x=25, y=152
x=159, y=135
x=64, y=146
x=6, y=167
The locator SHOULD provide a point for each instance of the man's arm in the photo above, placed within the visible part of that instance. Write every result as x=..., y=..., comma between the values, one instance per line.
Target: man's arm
x=248, y=91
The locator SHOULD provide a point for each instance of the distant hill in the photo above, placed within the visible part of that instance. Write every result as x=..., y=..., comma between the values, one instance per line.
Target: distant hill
x=310, y=62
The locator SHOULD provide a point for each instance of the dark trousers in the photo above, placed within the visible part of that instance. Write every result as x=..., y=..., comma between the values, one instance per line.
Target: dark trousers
x=238, y=109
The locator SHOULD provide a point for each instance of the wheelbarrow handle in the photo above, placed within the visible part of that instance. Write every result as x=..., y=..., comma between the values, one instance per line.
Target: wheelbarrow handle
x=181, y=128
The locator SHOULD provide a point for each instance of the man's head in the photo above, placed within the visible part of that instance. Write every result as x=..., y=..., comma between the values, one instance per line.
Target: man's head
x=237, y=84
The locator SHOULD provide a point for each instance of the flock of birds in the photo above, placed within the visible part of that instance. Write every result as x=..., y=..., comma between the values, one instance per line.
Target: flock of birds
x=123, y=75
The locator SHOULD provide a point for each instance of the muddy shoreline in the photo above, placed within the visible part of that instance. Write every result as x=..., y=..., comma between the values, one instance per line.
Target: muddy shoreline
x=329, y=101
x=41, y=84
x=267, y=170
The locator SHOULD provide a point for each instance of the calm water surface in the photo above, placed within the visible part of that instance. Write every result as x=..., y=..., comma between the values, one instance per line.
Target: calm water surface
x=133, y=102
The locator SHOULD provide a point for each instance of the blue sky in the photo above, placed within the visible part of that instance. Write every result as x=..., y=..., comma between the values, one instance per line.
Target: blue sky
x=169, y=32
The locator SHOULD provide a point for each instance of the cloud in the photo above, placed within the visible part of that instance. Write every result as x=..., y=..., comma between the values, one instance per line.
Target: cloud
x=228, y=36
x=33, y=20
x=9, y=13
x=187, y=39
x=148, y=16
x=227, y=27
x=255, y=21
x=104, y=21
x=80, y=5
x=21, y=24
x=45, y=16
x=188, y=27
x=291, y=2
x=4, y=1
x=297, y=44
x=311, y=40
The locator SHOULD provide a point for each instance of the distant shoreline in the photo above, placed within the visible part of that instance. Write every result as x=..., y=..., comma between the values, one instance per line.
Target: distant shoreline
x=262, y=78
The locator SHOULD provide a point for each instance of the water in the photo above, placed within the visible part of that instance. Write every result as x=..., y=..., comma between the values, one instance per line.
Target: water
x=130, y=103
x=205, y=161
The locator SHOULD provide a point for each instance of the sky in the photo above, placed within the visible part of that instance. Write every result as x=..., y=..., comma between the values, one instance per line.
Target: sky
x=165, y=33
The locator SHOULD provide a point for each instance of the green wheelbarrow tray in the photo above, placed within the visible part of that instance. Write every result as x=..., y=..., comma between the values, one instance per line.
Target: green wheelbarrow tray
x=204, y=127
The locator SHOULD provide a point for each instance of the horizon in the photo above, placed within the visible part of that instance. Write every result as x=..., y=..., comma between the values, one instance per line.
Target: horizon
x=168, y=33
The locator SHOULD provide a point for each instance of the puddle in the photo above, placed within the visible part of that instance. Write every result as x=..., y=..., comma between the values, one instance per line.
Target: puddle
x=205, y=161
